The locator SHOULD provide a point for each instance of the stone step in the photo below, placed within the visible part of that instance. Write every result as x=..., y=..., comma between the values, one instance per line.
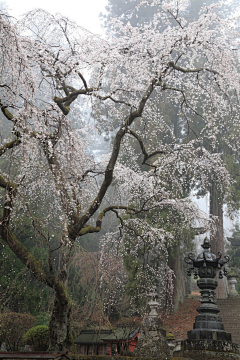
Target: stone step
x=230, y=314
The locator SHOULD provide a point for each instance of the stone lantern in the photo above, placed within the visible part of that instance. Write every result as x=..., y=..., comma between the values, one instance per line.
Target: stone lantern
x=208, y=325
x=152, y=341
x=153, y=306
x=232, y=278
x=170, y=338
x=207, y=340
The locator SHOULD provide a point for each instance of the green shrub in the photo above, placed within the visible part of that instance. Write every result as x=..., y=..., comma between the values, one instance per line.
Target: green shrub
x=12, y=327
x=42, y=319
x=38, y=337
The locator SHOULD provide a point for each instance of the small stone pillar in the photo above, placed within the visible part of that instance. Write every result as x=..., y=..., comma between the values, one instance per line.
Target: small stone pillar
x=232, y=278
x=152, y=341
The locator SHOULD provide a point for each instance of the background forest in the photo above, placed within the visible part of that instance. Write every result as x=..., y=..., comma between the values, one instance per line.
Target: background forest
x=99, y=228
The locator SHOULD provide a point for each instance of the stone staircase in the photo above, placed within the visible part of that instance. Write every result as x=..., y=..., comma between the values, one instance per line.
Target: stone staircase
x=230, y=314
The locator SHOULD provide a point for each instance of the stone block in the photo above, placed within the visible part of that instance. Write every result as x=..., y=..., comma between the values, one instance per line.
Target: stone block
x=208, y=350
x=153, y=333
x=210, y=345
x=204, y=355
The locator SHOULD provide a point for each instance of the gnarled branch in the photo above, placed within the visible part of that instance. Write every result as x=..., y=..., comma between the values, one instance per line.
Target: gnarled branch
x=181, y=69
x=113, y=159
x=144, y=151
x=91, y=229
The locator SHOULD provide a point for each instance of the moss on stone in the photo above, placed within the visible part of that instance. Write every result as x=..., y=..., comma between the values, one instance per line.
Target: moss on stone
x=170, y=336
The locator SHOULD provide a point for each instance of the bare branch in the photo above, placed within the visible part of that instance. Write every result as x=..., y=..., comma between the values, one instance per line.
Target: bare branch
x=175, y=17
x=111, y=98
x=90, y=229
x=41, y=234
x=7, y=185
x=179, y=68
x=6, y=112
x=9, y=145
x=145, y=153
x=83, y=80
x=187, y=105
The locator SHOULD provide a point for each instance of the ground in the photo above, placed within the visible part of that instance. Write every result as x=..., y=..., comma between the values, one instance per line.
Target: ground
x=181, y=321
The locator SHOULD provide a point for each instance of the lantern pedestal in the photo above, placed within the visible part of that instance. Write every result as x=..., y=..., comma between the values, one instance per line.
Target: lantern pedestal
x=208, y=325
x=207, y=350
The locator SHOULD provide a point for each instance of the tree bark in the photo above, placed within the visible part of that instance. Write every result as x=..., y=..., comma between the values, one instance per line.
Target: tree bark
x=59, y=326
x=179, y=281
x=217, y=239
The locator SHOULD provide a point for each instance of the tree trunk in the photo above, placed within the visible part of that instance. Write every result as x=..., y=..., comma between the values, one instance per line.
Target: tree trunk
x=175, y=262
x=217, y=239
x=59, y=326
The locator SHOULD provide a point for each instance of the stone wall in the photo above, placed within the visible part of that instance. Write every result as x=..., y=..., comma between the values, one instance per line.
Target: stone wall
x=100, y=357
